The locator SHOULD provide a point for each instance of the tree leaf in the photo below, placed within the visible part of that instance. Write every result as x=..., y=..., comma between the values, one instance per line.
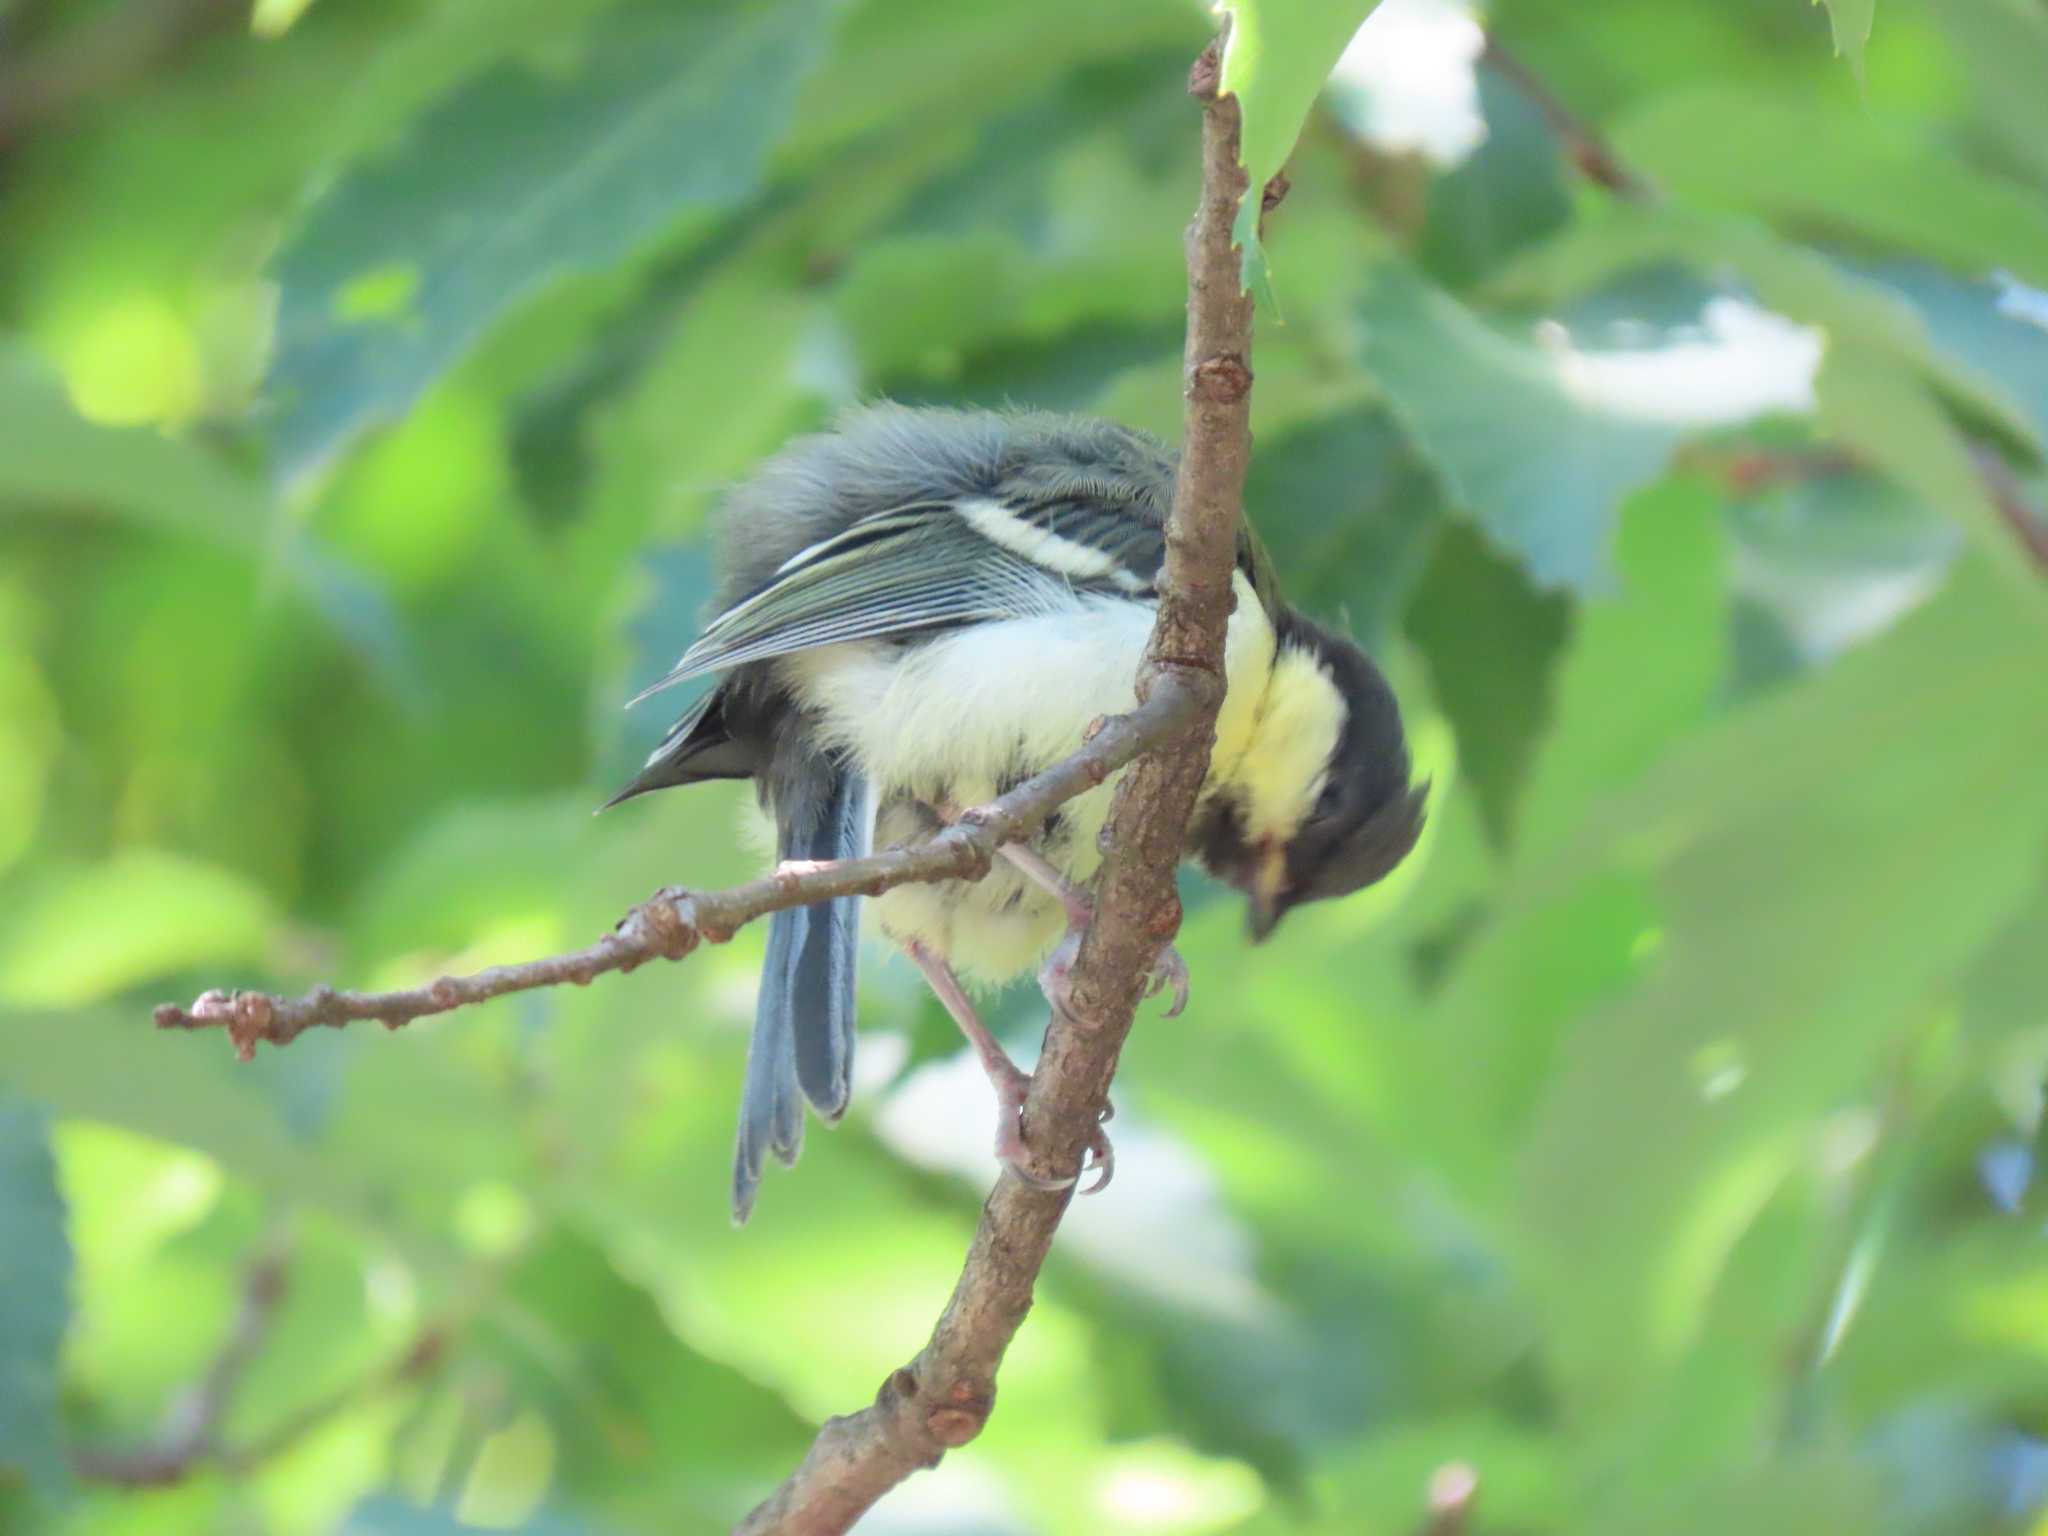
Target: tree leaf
x=108, y=1064
x=1892, y=418
x=53, y=459
x=1851, y=20
x=35, y=1279
x=386, y=1514
x=1821, y=860
x=1494, y=681
x=1836, y=172
x=91, y=932
x=647, y=1427
x=513, y=182
x=2005, y=43
x=1278, y=55
x=1543, y=468
x=1509, y=193
x=1347, y=507
x=1643, y=665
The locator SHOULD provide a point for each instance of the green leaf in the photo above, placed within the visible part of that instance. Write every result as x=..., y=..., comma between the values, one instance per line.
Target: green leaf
x=2005, y=44
x=112, y=1065
x=1894, y=420
x=35, y=1279
x=91, y=932
x=1509, y=193
x=1852, y=175
x=1542, y=466
x=54, y=460
x=1821, y=861
x=646, y=1426
x=1347, y=508
x=1785, y=1496
x=1644, y=664
x=514, y=182
x=389, y=1515
x=1277, y=57
x=1981, y=326
x=1851, y=20
x=1494, y=681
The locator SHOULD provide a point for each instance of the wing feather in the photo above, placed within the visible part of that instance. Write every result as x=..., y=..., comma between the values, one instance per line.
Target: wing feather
x=927, y=565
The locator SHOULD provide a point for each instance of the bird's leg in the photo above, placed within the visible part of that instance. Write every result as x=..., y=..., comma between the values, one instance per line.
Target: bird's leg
x=1010, y=1081
x=1169, y=970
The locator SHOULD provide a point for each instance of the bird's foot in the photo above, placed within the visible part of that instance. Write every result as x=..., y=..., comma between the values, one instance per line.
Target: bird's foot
x=1012, y=1086
x=1055, y=978
x=1169, y=971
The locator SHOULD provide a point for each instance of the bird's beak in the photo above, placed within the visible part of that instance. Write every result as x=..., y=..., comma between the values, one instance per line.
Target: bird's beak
x=1269, y=893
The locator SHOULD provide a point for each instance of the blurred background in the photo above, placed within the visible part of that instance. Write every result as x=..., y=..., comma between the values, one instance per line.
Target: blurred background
x=1658, y=386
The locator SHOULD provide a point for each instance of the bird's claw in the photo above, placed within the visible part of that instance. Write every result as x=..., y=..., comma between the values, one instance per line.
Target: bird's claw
x=1169, y=973
x=1015, y=1154
x=1169, y=970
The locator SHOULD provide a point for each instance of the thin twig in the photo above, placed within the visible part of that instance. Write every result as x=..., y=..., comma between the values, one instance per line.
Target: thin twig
x=192, y=1429
x=2028, y=525
x=1453, y=1493
x=191, y=1435
x=1584, y=145
x=671, y=923
x=943, y=1397
x=41, y=85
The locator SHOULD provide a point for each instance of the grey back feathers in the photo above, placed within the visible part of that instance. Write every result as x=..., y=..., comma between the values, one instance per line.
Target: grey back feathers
x=901, y=521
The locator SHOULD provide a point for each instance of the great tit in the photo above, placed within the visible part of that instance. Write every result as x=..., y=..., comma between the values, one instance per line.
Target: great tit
x=921, y=608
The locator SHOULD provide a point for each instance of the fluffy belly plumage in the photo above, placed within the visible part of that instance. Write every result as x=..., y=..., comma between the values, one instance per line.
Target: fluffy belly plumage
x=955, y=722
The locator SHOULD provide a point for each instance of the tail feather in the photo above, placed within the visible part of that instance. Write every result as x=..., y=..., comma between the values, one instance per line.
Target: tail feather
x=803, y=1021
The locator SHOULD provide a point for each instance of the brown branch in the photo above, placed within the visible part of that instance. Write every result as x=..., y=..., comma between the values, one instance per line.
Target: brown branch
x=1453, y=1491
x=1751, y=470
x=943, y=1397
x=1584, y=145
x=191, y=1430
x=87, y=61
x=191, y=1435
x=2028, y=525
x=671, y=923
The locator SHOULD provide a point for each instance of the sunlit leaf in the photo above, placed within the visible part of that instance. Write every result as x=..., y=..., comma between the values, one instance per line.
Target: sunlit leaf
x=53, y=460
x=1541, y=462
x=1278, y=55
x=391, y=1515
x=94, y=931
x=1851, y=20
x=1856, y=176
x=1493, y=678
x=1778, y=974
x=513, y=182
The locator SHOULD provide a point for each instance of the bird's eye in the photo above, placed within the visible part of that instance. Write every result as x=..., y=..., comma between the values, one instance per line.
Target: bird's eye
x=1330, y=801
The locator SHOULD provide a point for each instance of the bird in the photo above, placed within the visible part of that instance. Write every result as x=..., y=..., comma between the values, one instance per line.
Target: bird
x=918, y=608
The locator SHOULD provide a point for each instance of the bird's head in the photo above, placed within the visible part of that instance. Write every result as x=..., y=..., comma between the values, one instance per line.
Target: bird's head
x=1320, y=804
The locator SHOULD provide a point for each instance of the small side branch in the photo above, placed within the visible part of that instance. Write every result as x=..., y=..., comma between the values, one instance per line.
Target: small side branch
x=191, y=1432
x=192, y=1435
x=2028, y=524
x=671, y=923
x=1585, y=146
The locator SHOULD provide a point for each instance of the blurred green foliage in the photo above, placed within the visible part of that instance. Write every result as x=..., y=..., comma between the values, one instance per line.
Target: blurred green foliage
x=1658, y=1145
